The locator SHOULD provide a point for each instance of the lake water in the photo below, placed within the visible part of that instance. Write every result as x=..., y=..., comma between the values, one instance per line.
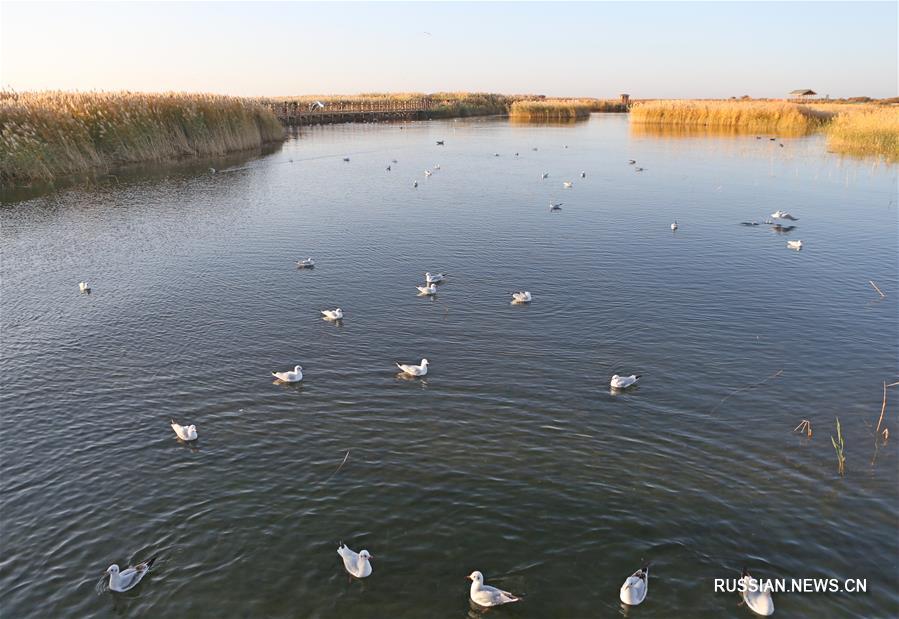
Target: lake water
x=512, y=457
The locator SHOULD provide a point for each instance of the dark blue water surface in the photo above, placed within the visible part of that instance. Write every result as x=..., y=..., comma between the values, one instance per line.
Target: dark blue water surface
x=512, y=457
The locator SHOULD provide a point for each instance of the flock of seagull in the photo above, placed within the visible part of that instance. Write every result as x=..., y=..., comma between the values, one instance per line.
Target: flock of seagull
x=358, y=565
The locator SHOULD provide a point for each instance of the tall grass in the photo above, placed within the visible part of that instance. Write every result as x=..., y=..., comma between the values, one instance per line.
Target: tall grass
x=48, y=135
x=867, y=131
x=763, y=116
x=550, y=109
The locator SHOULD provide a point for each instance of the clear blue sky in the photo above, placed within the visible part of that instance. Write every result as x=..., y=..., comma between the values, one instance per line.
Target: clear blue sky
x=649, y=49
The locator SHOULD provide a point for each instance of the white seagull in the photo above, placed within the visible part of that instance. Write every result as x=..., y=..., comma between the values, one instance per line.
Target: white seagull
x=794, y=244
x=674, y=225
x=427, y=172
x=778, y=214
x=305, y=263
x=634, y=589
x=522, y=296
x=185, y=433
x=485, y=595
x=356, y=564
x=83, y=287
x=290, y=376
x=555, y=206
x=436, y=166
x=414, y=370
x=427, y=289
x=128, y=579
x=334, y=314
x=623, y=382
x=567, y=184
x=433, y=279
x=759, y=602
x=316, y=105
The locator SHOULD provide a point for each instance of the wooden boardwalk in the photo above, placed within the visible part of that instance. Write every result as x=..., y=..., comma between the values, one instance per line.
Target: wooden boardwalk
x=297, y=113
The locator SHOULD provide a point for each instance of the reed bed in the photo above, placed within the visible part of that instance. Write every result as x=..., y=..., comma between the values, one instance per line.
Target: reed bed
x=442, y=104
x=867, y=131
x=550, y=109
x=48, y=135
x=762, y=116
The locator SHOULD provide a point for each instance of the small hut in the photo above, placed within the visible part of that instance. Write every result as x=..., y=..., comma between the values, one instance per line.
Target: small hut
x=803, y=93
x=625, y=98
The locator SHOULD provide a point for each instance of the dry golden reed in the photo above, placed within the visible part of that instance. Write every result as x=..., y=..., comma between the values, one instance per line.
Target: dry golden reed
x=763, y=116
x=48, y=135
x=550, y=109
x=867, y=131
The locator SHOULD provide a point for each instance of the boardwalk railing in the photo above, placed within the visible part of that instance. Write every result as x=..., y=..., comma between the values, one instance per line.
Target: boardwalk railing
x=373, y=110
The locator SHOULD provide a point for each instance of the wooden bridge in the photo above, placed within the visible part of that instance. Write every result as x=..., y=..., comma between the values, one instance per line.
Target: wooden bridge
x=295, y=113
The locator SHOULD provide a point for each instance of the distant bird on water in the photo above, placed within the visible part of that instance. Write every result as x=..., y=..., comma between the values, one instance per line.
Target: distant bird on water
x=639, y=169
x=414, y=370
x=306, y=263
x=427, y=289
x=212, y=170
x=334, y=314
x=128, y=578
x=357, y=565
x=555, y=206
x=84, y=287
x=346, y=159
x=797, y=245
x=635, y=588
x=434, y=278
x=778, y=214
x=567, y=184
x=545, y=175
x=485, y=595
x=623, y=382
x=290, y=376
x=522, y=296
x=415, y=183
x=440, y=142
x=388, y=168
x=674, y=225
x=759, y=602
x=632, y=161
x=427, y=172
x=583, y=175
x=185, y=433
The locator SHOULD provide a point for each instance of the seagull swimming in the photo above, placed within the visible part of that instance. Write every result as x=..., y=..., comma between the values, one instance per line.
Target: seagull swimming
x=634, y=589
x=522, y=296
x=128, y=579
x=334, y=314
x=674, y=225
x=567, y=184
x=83, y=287
x=485, y=595
x=346, y=158
x=414, y=370
x=356, y=565
x=439, y=142
x=415, y=183
x=388, y=168
x=305, y=263
x=639, y=169
x=291, y=376
x=794, y=244
x=759, y=602
x=583, y=175
x=555, y=206
x=185, y=433
x=783, y=215
x=545, y=175
x=632, y=161
x=427, y=172
x=623, y=382
x=433, y=279
x=436, y=166
x=428, y=289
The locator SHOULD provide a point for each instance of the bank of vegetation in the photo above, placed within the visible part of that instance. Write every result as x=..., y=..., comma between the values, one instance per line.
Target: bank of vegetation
x=45, y=136
x=562, y=109
x=851, y=127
